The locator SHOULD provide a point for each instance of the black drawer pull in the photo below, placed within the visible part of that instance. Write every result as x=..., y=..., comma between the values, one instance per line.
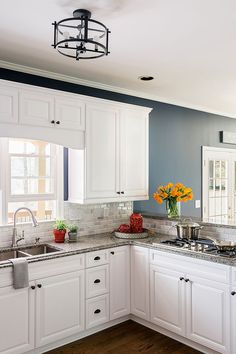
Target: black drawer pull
x=53, y=121
x=39, y=285
x=187, y=280
x=181, y=278
x=117, y=192
x=97, y=311
x=58, y=122
x=233, y=293
x=32, y=287
x=97, y=258
x=112, y=252
x=96, y=281
x=122, y=192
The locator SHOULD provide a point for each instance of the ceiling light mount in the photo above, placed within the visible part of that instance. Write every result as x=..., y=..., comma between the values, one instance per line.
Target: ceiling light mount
x=80, y=37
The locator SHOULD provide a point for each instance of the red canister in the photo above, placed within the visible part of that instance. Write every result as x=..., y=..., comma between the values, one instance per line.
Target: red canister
x=136, y=223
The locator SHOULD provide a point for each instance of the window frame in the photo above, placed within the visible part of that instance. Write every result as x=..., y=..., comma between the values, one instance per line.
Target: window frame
x=5, y=182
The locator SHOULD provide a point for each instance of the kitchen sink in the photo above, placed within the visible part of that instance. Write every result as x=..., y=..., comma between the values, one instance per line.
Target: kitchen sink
x=39, y=249
x=29, y=251
x=6, y=255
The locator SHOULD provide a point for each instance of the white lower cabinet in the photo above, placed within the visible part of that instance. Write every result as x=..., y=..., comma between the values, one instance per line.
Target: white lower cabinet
x=167, y=299
x=140, y=282
x=196, y=307
x=59, y=307
x=17, y=320
x=207, y=313
x=119, y=282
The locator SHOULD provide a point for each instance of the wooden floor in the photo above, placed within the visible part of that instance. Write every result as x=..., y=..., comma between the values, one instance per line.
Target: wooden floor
x=126, y=338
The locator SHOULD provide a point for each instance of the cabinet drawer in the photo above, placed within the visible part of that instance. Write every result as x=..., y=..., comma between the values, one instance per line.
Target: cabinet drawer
x=96, y=258
x=97, y=281
x=97, y=311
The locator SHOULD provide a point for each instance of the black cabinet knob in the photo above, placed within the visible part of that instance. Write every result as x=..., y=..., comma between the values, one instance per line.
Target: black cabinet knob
x=97, y=311
x=32, y=287
x=117, y=192
x=181, y=278
x=58, y=122
x=122, y=192
x=187, y=280
x=96, y=281
x=96, y=258
x=39, y=285
x=53, y=121
x=112, y=252
x=233, y=293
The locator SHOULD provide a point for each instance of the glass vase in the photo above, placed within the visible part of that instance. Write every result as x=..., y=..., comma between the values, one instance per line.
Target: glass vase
x=172, y=208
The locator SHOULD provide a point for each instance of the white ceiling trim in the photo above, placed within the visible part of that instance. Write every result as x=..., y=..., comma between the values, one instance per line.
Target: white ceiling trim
x=98, y=85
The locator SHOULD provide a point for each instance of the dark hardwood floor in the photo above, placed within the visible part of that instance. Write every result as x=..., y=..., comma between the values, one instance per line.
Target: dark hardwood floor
x=126, y=338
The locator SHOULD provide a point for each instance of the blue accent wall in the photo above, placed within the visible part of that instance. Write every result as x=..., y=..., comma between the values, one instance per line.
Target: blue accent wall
x=176, y=137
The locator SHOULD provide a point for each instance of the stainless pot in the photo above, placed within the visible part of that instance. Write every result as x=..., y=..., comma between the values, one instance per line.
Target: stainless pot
x=187, y=229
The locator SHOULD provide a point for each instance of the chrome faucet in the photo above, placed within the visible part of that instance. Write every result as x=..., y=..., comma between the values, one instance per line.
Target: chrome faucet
x=14, y=234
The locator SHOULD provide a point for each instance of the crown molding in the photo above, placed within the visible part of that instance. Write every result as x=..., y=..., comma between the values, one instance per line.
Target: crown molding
x=116, y=89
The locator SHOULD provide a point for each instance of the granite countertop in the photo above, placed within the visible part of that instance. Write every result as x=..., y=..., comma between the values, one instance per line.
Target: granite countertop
x=108, y=240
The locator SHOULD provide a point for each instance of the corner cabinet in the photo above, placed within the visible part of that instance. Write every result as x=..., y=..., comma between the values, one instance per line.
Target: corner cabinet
x=114, y=164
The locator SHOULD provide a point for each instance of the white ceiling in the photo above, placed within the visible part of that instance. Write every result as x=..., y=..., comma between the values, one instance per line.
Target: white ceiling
x=189, y=46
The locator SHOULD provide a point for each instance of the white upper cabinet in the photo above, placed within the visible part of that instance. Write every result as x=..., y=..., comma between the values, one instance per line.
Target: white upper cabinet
x=134, y=153
x=114, y=164
x=69, y=113
x=102, y=155
x=8, y=104
x=36, y=108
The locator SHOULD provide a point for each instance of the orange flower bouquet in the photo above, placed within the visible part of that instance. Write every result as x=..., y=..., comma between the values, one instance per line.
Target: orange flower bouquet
x=173, y=194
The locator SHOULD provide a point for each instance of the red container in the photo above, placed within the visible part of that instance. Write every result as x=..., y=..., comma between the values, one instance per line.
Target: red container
x=136, y=223
x=59, y=235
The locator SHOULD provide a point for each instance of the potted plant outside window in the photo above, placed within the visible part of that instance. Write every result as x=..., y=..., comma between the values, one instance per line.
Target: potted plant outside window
x=59, y=231
x=72, y=233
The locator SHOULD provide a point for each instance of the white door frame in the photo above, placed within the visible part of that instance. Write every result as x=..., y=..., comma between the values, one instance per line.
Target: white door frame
x=206, y=149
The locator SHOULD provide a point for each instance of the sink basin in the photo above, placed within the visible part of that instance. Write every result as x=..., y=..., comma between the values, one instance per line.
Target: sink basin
x=6, y=255
x=39, y=249
x=29, y=251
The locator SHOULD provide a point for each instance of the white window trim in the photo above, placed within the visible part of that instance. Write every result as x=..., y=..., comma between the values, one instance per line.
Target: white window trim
x=6, y=197
x=205, y=150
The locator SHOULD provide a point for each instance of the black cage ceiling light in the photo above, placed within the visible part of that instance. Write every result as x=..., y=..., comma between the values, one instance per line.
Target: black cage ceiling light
x=80, y=37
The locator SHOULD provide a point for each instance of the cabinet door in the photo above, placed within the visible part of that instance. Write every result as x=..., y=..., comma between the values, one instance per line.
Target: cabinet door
x=102, y=154
x=208, y=313
x=134, y=154
x=233, y=320
x=8, y=104
x=167, y=299
x=36, y=108
x=140, y=282
x=59, y=307
x=119, y=282
x=17, y=320
x=69, y=113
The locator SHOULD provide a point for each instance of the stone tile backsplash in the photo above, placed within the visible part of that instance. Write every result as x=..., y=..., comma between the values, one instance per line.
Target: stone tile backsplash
x=91, y=219
x=165, y=226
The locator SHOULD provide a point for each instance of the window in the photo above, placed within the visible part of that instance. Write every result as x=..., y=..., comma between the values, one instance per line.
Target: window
x=219, y=185
x=30, y=178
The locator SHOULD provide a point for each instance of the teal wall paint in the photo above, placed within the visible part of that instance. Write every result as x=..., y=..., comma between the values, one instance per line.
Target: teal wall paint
x=176, y=137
